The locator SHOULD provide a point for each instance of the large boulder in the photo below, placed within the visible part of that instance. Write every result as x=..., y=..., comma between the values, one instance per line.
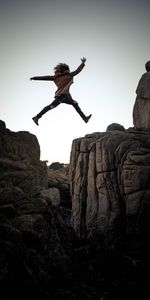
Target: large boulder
x=20, y=161
x=22, y=175
x=59, y=185
x=110, y=184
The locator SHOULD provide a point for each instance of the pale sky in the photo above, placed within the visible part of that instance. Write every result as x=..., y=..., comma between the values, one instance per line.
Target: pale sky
x=113, y=35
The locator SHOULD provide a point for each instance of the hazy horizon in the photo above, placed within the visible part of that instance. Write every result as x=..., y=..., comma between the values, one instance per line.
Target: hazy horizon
x=36, y=35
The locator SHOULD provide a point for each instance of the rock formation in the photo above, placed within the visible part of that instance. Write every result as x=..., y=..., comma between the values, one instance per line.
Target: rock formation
x=59, y=181
x=41, y=257
x=20, y=161
x=34, y=242
x=141, y=108
x=110, y=183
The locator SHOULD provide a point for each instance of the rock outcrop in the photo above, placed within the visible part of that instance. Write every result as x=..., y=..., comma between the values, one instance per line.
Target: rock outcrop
x=59, y=185
x=20, y=161
x=34, y=242
x=110, y=183
x=141, y=108
x=40, y=255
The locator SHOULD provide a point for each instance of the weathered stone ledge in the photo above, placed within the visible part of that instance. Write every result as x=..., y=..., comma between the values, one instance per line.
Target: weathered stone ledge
x=110, y=185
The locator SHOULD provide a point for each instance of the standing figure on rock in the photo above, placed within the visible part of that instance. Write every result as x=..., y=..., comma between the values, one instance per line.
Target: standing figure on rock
x=141, y=109
x=63, y=79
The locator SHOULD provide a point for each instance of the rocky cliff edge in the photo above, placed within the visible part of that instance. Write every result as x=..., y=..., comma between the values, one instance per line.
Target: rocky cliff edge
x=110, y=183
x=40, y=256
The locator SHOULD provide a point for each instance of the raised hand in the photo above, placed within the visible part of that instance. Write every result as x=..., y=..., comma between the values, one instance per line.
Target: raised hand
x=83, y=60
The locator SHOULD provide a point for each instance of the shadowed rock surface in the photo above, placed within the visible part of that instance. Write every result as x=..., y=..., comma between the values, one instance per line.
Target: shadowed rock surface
x=141, y=108
x=110, y=183
x=33, y=260
x=60, y=181
x=41, y=255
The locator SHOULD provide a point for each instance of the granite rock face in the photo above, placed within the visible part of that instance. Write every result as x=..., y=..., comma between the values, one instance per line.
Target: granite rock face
x=40, y=255
x=22, y=174
x=141, y=108
x=60, y=181
x=110, y=183
x=33, y=240
x=20, y=163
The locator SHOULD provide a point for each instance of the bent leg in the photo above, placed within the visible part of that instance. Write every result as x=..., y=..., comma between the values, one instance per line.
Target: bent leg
x=55, y=103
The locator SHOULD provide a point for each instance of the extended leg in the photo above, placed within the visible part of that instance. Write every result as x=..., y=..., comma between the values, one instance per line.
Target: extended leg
x=68, y=100
x=55, y=103
x=78, y=109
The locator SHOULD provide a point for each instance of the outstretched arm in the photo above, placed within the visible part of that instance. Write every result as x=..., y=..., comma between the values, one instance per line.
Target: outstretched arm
x=42, y=78
x=79, y=69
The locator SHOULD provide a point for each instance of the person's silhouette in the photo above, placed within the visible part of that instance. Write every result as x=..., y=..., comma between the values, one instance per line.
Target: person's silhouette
x=63, y=79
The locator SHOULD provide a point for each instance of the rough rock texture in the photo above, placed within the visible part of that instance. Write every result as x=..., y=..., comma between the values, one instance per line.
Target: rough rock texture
x=34, y=242
x=115, y=126
x=40, y=256
x=52, y=195
x=110, y=183
x=20, y=163
x=60, y=181
x=141, y=108
x=22, y=174
x=141, y=113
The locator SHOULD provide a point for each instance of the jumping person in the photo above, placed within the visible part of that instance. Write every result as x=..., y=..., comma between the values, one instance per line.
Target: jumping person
x=63, y=79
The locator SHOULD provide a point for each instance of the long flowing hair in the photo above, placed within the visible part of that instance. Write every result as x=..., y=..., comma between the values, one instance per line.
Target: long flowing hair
x=61, y=68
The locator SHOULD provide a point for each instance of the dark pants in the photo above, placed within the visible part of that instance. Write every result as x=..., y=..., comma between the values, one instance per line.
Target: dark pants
x=65, y=98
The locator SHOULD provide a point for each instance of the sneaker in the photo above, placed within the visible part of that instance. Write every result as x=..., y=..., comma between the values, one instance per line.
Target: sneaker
x=88, y=118
x=35, y=119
